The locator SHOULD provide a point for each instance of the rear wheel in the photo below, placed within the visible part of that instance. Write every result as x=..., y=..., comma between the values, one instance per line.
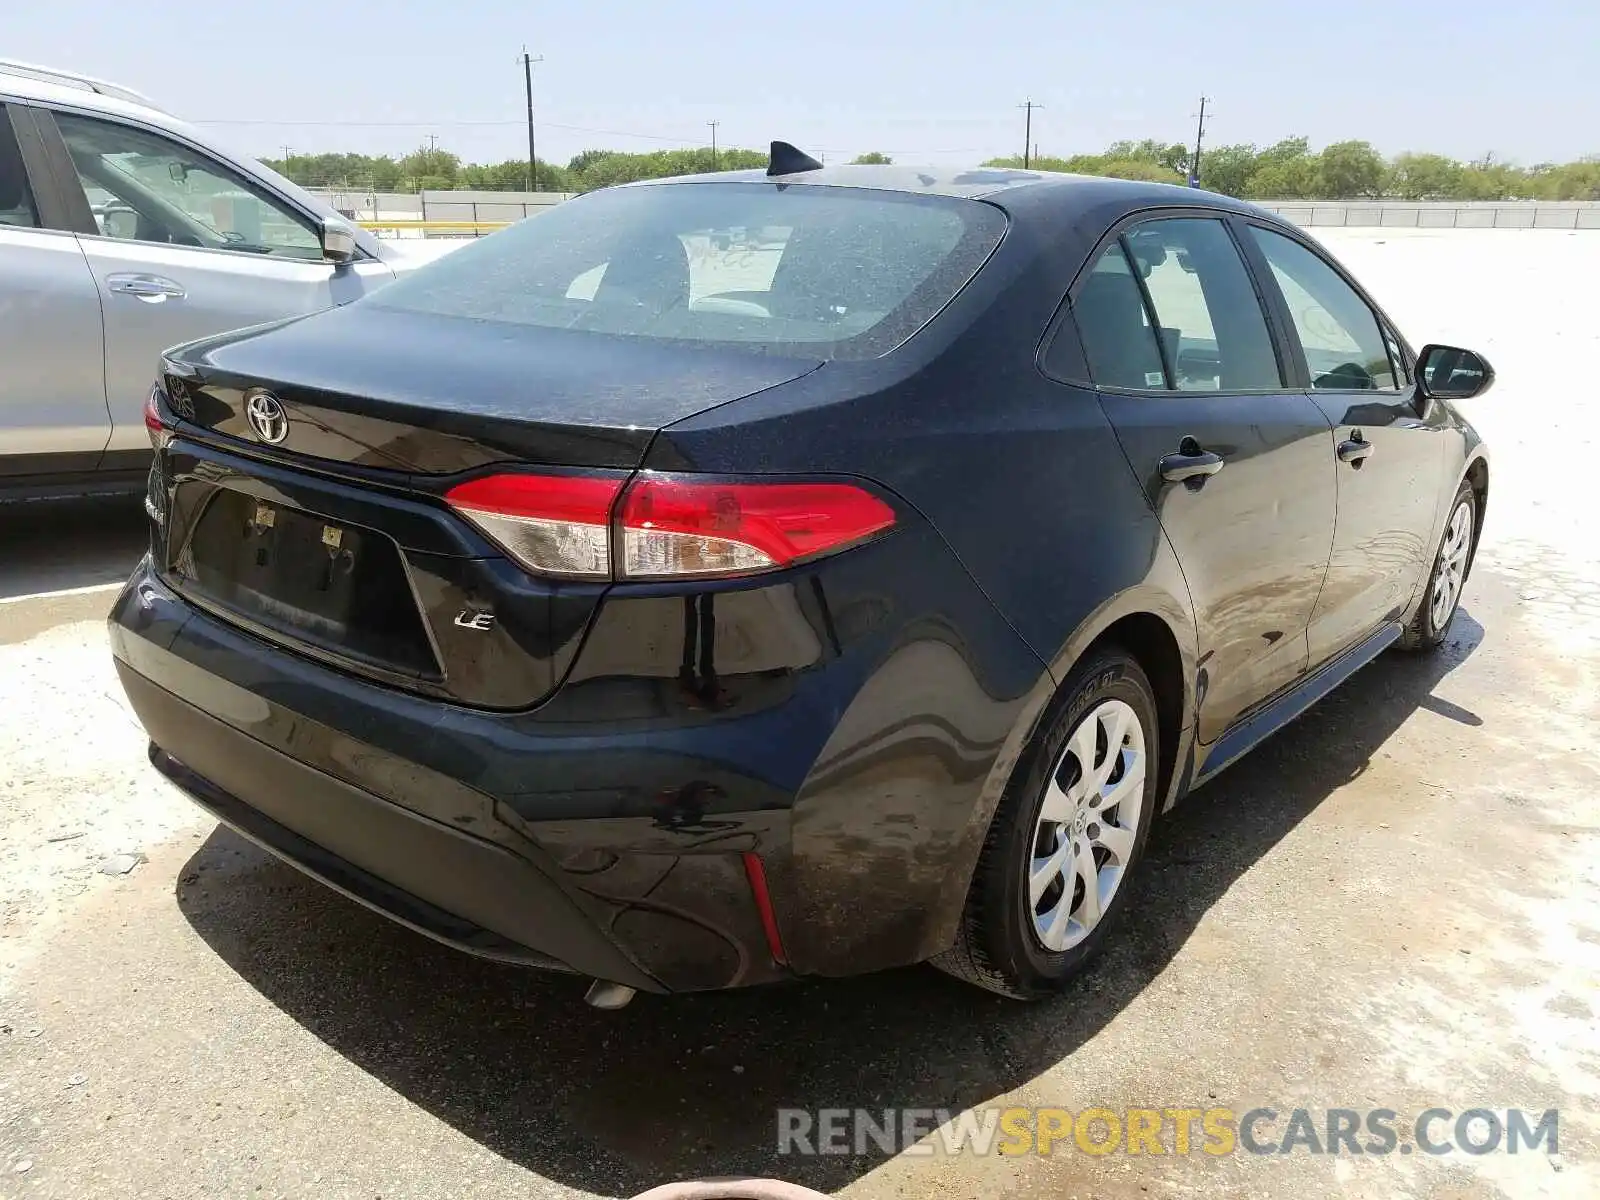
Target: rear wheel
x=1437, y=609
x=1052, y=878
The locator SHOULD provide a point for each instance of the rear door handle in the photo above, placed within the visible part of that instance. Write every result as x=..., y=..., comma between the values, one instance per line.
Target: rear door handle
x=150, y=288
x=1355, y=450
x=1190, y=463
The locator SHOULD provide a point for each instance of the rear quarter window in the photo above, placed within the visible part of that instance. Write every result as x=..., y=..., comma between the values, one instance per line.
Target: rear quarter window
x=826, y=272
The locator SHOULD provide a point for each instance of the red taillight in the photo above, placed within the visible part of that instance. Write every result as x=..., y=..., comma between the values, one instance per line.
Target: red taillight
x=552, y=524
x=674, y=527
x=667, y=527
x=159, y=433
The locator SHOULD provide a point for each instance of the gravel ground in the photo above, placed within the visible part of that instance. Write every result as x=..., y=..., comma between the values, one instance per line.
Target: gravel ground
x=1394, y=904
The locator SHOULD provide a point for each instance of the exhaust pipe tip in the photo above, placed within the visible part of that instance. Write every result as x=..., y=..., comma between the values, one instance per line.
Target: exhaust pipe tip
x=609, y=996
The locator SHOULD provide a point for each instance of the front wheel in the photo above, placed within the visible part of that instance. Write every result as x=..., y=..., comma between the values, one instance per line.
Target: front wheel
x=1053, y=874
x=1437, y=609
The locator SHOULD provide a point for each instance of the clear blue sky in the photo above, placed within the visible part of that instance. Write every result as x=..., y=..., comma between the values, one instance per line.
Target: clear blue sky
x=927, y=82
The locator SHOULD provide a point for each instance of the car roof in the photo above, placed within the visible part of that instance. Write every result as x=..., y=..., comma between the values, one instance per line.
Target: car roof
x=55, y=85
x=1004, y=186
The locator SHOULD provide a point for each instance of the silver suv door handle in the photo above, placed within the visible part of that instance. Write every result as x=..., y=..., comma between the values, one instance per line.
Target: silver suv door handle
x=153, y=288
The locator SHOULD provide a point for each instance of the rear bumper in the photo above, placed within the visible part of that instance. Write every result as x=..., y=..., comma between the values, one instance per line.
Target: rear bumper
x=457, y=889
x=848, y=726
x=333, y=775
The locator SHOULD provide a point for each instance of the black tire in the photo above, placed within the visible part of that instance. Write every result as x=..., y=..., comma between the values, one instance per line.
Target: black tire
x=996, y=946
x=1426, y=630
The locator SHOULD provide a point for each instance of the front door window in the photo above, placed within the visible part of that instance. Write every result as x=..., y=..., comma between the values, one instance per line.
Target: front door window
x=144, y=187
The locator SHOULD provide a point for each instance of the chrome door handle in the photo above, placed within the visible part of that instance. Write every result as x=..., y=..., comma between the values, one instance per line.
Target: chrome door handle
x=152, y=288
x=1355, y=450
x=1190, y=464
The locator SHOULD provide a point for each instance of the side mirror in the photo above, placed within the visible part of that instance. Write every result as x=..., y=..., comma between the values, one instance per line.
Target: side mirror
x=1451, y=373
x=122, y=223
x=338, y=242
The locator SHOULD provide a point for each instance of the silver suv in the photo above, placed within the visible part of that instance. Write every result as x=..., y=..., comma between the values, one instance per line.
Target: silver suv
x=123, y=231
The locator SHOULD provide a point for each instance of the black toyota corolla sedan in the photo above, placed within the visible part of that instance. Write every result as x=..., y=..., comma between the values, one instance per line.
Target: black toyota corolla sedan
x=733, y=578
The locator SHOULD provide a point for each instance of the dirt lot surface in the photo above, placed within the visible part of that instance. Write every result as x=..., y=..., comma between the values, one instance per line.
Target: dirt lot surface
x=1395, y=904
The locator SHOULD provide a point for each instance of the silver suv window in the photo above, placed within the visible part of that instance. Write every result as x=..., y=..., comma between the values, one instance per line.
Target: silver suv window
x=16, y=198
x=144, y=187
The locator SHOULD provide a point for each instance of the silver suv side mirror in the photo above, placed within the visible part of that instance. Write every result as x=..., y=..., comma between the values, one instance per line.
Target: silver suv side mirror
x=338, y=242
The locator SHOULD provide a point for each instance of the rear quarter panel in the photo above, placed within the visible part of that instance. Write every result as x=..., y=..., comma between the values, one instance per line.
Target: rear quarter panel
x=1029, y=490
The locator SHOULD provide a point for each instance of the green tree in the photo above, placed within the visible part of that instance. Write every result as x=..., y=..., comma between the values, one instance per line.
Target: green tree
x=872, y=158
x=1286, y=179
x=1351, y=170
x=426, y=167
x=596, y=169
x=1285, y=170
x=1425, y=177
x=1571, y=181
x=1227, y=169
x=1285, y=151
x=1140, y=168
x=512, y=176
x=1489, y=179
x=1174, y=156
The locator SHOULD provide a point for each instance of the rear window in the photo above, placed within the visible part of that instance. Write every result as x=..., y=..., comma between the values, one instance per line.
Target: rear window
x=824, y=272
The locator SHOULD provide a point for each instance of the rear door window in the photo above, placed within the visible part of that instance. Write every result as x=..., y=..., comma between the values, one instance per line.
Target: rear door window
x=1206, y=308
x=1170, y=306
x=1119, y=339
x=823, y=272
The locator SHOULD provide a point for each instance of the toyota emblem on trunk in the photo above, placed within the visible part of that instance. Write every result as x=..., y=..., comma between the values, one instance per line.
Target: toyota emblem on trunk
x=265, y=413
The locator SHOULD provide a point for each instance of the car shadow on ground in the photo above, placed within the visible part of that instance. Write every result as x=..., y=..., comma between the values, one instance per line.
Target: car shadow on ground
x=678, y=1087
x=47, y=547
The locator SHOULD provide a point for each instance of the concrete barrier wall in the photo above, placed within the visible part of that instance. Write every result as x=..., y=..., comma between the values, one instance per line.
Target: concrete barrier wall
x=1403, y=214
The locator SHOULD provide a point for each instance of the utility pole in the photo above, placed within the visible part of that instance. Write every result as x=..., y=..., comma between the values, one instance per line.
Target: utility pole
x=527, y=82
x=713, y=125
x=1027, y=136
x=286, y=156
x=1199, y=137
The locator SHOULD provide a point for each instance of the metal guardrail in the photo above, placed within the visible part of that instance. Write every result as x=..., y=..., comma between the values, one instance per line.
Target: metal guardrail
x=473, y=227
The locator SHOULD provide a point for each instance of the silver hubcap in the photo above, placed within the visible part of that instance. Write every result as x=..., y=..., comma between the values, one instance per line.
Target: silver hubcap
x=1452, y=568
x=1083, y=843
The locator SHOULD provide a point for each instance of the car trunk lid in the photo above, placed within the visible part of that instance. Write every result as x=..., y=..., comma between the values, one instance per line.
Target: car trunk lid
x=329, y=534
x=418, y=393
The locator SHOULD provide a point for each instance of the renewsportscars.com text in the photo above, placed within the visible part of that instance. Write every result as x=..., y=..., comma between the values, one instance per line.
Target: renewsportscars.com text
x=1175, y=1130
